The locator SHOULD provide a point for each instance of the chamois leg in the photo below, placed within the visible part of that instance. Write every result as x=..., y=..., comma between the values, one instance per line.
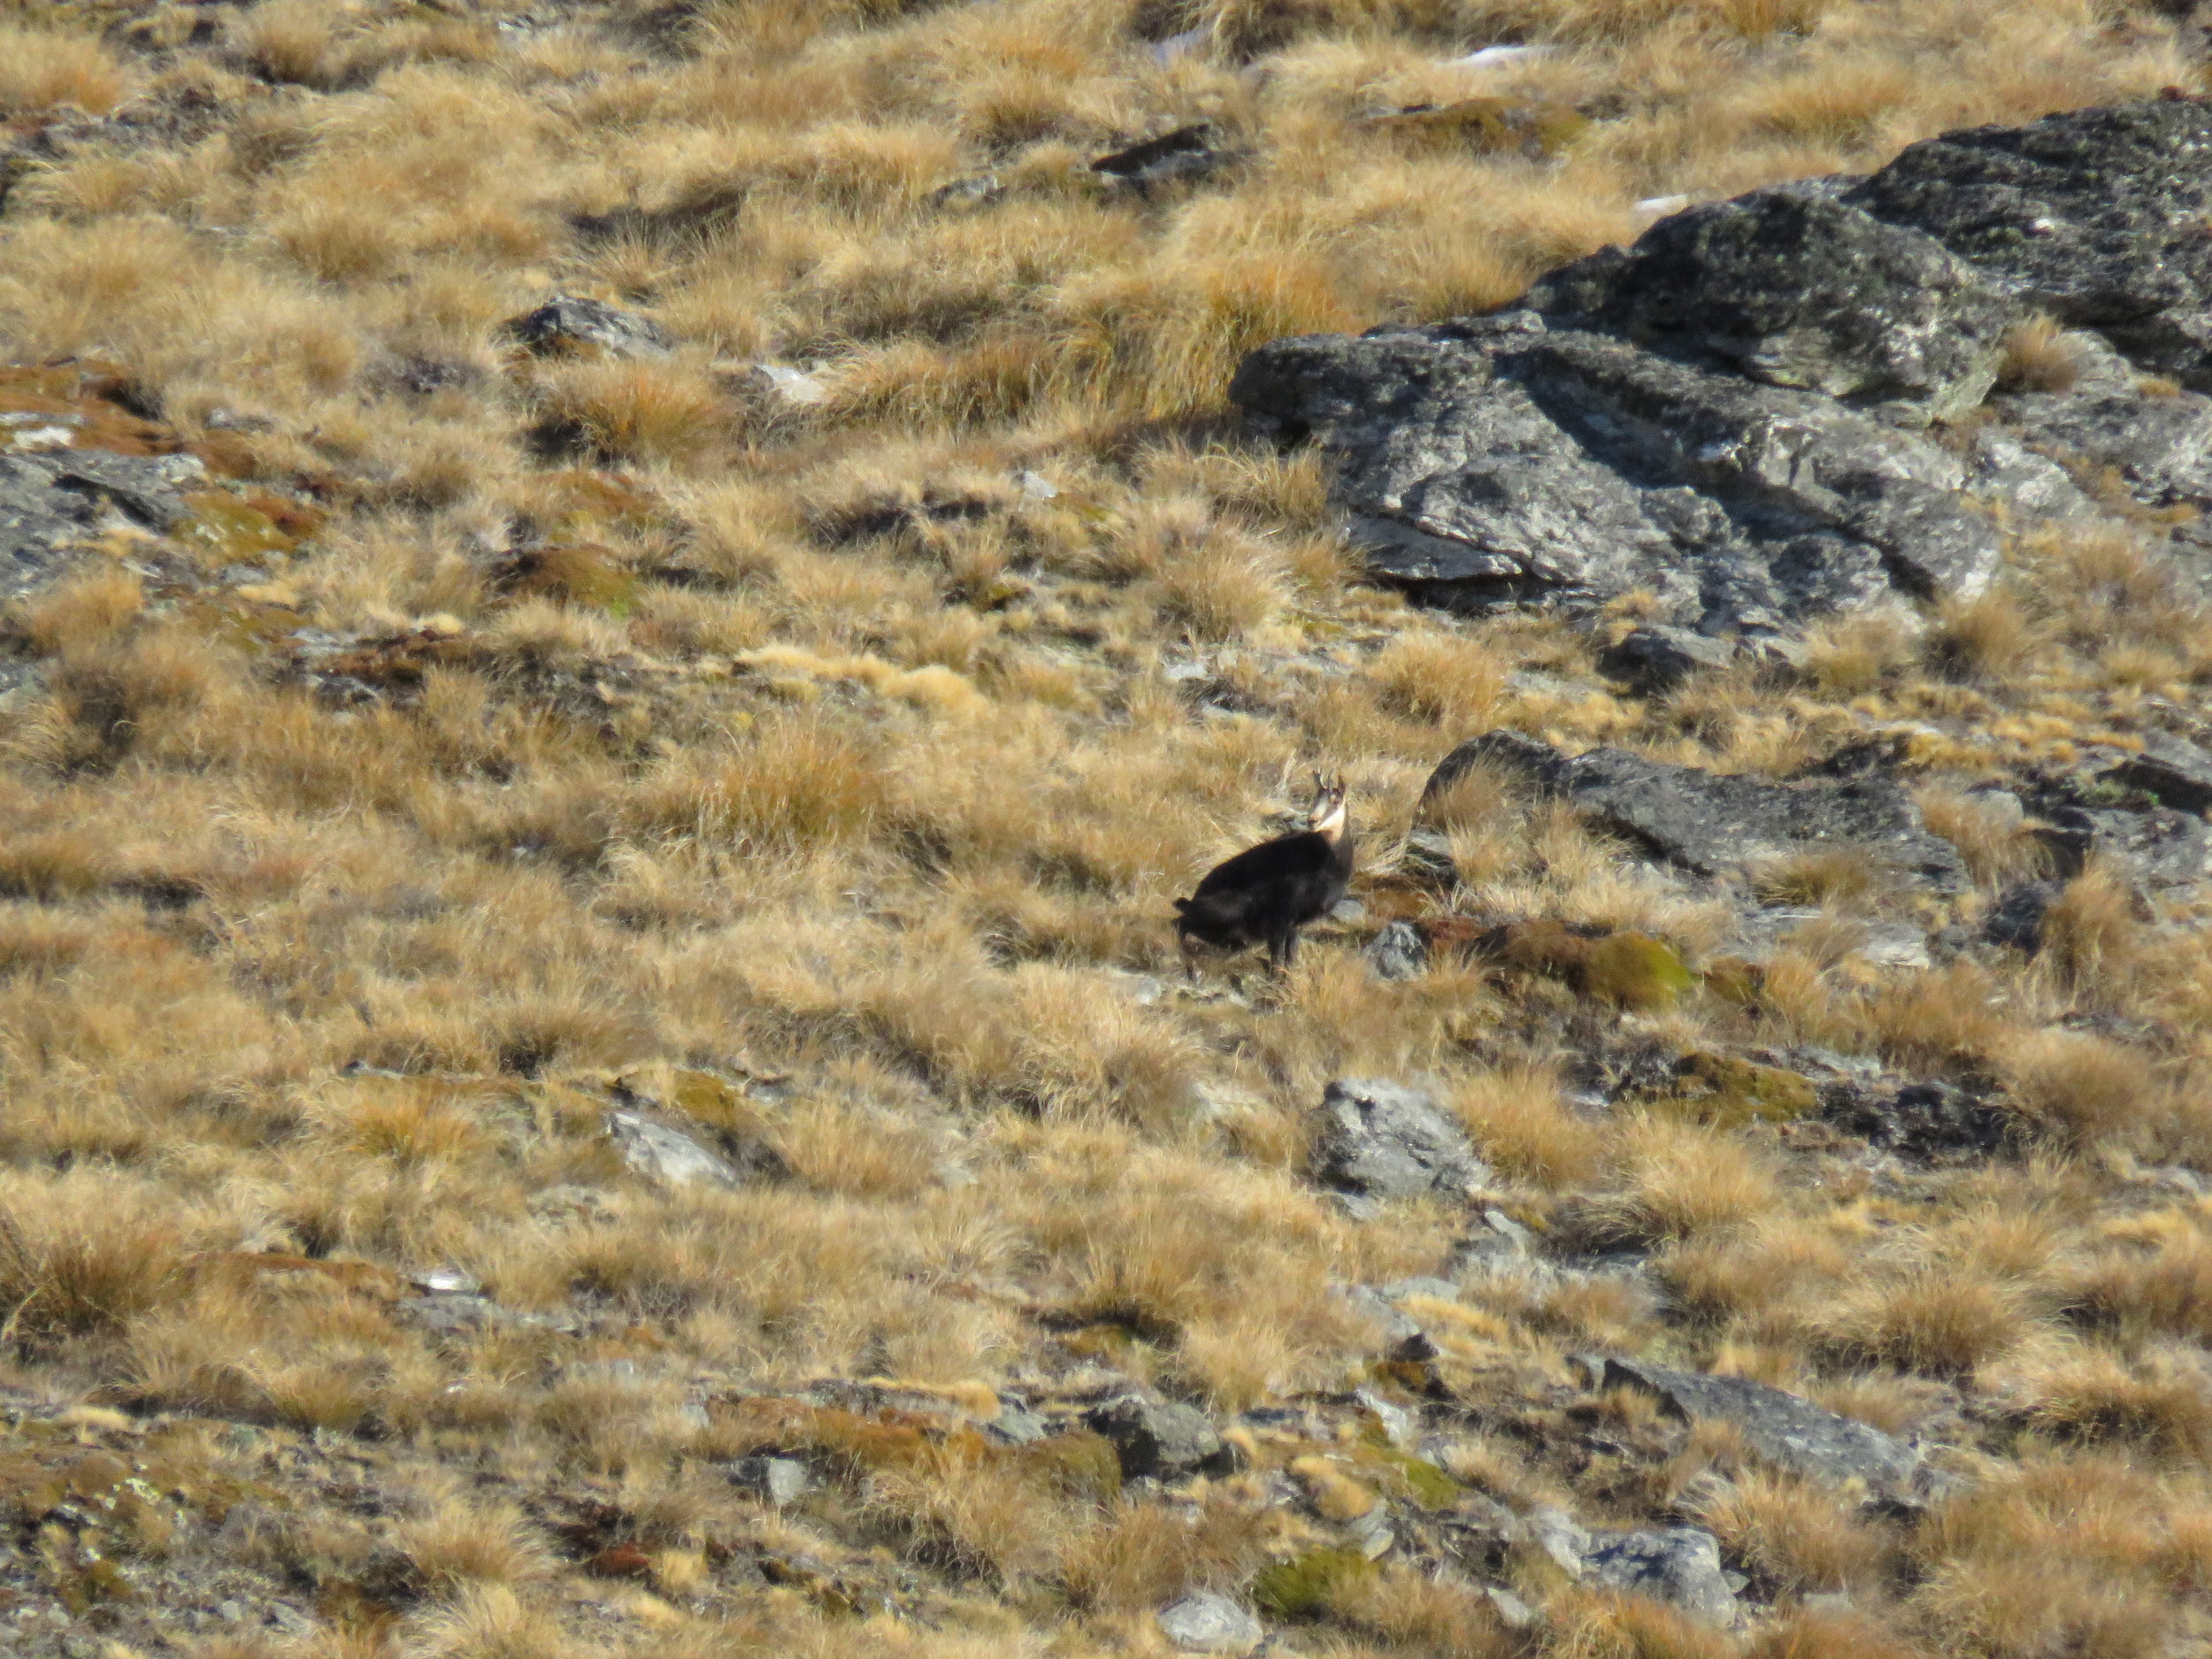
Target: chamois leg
x=1282, y=952
x=1190, y=958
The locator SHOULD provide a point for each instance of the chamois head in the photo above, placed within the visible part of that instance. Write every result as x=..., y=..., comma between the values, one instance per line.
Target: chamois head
x=1328, y=815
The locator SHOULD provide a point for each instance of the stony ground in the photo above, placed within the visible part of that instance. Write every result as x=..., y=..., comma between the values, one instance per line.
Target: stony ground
x=623, y=617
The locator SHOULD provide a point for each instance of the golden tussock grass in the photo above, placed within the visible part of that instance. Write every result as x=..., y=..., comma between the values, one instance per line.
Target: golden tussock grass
x=2038, y=358
x=821, y=772
x=45, y=69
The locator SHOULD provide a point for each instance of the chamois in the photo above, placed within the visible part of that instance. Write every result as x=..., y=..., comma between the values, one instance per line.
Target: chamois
x=1265, y=893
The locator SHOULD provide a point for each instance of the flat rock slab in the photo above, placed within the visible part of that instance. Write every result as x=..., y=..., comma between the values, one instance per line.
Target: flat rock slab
x=1785, y=1430
x=1713, y=824
x=1391, y=1140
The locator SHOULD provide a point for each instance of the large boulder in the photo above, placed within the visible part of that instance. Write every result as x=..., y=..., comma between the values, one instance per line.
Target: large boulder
x=1714, y=824
x=1204, y=1622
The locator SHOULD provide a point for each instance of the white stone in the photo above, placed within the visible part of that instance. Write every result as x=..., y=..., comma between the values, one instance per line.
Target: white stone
x=662, y=1154
x=1204, y=1622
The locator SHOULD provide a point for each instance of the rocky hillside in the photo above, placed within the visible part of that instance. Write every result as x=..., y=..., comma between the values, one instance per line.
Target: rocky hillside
x=622, y=619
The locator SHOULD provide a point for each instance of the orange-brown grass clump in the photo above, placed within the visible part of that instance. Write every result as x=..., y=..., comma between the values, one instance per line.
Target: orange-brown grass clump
x=595, y=1061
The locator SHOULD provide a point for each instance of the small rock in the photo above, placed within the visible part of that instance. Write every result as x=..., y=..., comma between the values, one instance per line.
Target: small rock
x=1160, y=1438
x=1657, y=659
x=1188, y=152
x=1428, y=860
x=1204, y=1622
x=1893, y=944
x=2015, y=920
x=1499, y=57
x=565, y=324
x=1388, y=1140
x=1016, y=1425
x=779, y=1480
x=665, y=1154
x=448, y=1281
x=2172, y=770
x=1370, y=1533
x=974, y=192
x=1554, y=1532
x=1400, y=1328
x=1166, y=52
x=1676, y=1564
x=1399, y=952
x=230, y=1609
x=1400, y=1426
x=291, y=1620
x=1512, y=1612
x=793, y=386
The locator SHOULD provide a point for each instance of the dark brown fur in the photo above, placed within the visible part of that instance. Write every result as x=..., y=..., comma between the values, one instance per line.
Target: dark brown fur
x=1266, y=894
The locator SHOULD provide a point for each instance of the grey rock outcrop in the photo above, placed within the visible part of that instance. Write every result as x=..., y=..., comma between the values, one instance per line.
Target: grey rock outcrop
x=1731, y=413
x=51, y=500
x=2094, y=216
x=1389, y=1140
x=1786, y=1431
x=1796, y=288
x=1502, y=460
x=1712, y=824
x=1679, y=1566
x=1156, y=1438
x=1204, y=1622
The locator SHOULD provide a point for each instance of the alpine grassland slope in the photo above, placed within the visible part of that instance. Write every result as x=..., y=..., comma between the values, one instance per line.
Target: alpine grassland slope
x=623, y=621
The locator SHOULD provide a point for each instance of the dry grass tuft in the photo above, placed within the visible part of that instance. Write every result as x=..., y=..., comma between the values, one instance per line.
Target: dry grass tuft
x=631, y=412
x=42, y=70
x=2038, y=358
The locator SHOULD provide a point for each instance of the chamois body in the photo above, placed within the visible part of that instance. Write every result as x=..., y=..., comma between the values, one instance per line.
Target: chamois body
x=1266, y=894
